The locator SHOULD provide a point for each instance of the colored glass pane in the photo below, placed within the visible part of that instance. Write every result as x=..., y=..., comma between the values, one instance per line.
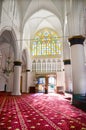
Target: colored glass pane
x=46, y=42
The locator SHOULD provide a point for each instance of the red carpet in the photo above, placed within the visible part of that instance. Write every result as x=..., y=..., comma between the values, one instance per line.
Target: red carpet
x=39, y=112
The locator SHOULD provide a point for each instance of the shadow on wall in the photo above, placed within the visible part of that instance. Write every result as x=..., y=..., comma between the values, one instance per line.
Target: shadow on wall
x=2, y=83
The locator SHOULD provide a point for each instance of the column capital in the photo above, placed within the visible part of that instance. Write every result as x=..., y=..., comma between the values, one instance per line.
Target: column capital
x=79, y=39
x=17, y=63
x=67, y=61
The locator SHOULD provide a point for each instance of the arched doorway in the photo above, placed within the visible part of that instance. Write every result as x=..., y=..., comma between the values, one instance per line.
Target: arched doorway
x=41, y=84
x=7, y=50
x=47, y=81
x=51, y=84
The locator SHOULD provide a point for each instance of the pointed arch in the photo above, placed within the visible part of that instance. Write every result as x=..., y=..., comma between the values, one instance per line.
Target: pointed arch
x=8, y=35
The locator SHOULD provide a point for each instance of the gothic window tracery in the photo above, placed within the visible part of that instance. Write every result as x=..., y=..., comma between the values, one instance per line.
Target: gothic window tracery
x=46, y=42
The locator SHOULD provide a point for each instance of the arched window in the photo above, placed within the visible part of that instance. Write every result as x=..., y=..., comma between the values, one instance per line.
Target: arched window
x=46, y=42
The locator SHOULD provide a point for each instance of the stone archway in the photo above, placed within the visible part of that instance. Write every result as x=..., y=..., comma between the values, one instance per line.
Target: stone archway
x=7, y=52
x=8, y=36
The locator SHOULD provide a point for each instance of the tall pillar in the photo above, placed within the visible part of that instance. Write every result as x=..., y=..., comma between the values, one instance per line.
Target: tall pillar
x=17, y=78
x=68, y=76
x=78, y=70
x=28, y=68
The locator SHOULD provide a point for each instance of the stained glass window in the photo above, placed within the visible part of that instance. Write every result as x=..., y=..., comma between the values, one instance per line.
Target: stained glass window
x=46, y=42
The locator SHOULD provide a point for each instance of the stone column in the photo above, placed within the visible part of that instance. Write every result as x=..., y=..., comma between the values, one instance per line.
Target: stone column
x=78, y=70
x=17, y=78
x=68, y=76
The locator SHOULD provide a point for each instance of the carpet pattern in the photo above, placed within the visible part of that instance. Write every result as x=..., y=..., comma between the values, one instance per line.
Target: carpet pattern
x=40, y=112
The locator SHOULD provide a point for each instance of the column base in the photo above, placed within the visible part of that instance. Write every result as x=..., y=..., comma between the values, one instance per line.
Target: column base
x=16, y=93
x=79, y=100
